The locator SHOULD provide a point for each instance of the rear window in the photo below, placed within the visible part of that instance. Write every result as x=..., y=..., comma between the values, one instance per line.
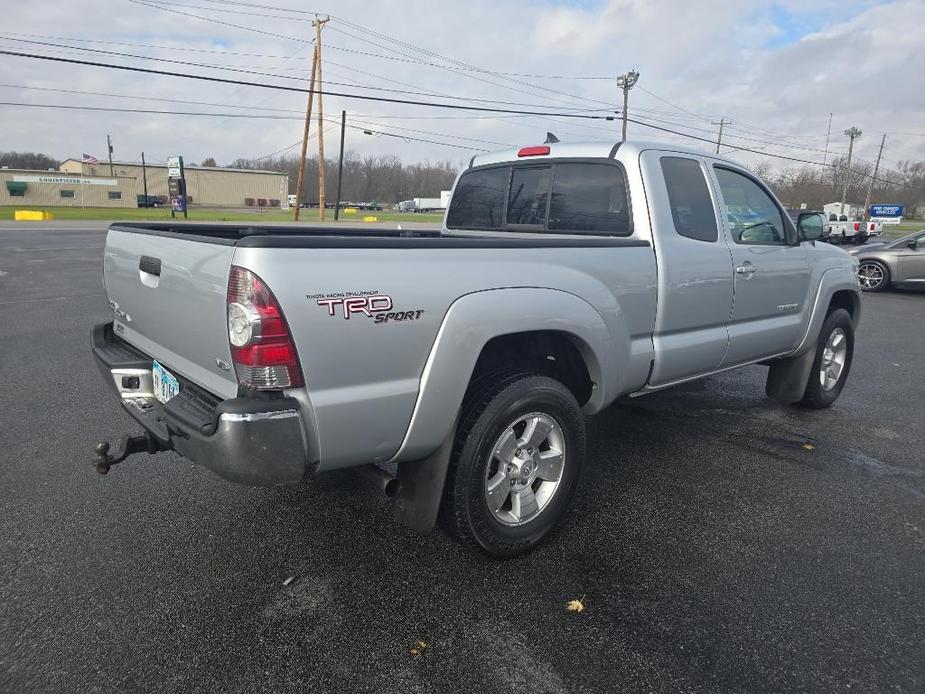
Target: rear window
x=689, y=198
x=478, y=201
x=589, y=198
x=529, y=193
x=565, y=197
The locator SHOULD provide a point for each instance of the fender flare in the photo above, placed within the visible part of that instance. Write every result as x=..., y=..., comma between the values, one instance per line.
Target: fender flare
x=474, y=319
x=788, y=377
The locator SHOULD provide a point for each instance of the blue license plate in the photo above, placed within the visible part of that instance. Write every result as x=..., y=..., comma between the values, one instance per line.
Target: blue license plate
x=166, y=384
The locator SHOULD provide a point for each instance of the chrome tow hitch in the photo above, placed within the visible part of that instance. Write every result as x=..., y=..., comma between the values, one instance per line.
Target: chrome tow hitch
x=126, y=446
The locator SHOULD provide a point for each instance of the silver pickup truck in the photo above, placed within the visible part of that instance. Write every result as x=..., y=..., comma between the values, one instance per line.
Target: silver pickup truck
x=455, y=367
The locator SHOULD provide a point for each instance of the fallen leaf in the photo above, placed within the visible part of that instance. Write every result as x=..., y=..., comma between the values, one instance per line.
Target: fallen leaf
x=288, y=580
x=576, y=605
x=418, y=648
x=808, y=447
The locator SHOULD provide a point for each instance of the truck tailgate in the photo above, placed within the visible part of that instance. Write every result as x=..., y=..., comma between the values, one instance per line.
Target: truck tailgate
x=168, y=298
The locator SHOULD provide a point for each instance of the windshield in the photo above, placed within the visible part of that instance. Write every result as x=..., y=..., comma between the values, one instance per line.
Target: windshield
x=905, y=239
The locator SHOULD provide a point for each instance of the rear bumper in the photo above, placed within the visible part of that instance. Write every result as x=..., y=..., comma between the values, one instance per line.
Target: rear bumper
x=255, y=441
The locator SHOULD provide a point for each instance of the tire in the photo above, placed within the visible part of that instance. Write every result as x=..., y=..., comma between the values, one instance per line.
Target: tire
x=493, y=413
x=822, y=391
x=871, y=269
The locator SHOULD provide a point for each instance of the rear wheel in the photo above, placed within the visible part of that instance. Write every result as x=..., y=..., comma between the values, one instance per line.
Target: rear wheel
x=873, y=276
x=832, y=364
x=515, y=464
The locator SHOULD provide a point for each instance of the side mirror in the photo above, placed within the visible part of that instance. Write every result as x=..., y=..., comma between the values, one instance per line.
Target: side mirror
x=912, y=243
x=810, y=226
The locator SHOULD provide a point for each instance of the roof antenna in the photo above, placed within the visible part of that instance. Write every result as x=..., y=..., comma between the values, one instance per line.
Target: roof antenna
x=551, y=139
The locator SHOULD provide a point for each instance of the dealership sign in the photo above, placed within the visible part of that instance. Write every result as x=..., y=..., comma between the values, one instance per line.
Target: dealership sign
x=888, y=214
x=67, y=180
x=174, y=167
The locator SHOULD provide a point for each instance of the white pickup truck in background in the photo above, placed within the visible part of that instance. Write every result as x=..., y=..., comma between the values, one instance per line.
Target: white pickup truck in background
x=840, y=229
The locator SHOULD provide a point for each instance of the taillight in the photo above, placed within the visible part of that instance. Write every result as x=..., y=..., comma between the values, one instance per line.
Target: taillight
x=262, y=350
x=857, y=226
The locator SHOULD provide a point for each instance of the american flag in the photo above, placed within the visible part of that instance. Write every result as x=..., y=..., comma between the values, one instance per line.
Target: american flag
x=89, y=159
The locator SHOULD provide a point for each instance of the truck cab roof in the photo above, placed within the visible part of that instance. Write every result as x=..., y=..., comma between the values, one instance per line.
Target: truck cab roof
x=603, y=149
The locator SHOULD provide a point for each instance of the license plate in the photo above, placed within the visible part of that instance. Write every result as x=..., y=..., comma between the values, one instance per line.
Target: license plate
x=166, y=384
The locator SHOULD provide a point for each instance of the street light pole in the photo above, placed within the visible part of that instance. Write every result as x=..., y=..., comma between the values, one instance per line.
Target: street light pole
x=626, y=82
x=852, y=133
x=340, y=164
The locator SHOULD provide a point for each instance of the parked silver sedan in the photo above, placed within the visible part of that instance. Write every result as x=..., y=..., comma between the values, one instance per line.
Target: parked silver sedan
x=899, y=263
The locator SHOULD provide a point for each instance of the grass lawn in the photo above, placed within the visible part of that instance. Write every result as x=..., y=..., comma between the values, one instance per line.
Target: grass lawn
x=160, y=214
x=894, y=231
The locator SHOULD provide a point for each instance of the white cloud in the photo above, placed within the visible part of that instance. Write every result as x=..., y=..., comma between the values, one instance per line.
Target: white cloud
x=860, y=60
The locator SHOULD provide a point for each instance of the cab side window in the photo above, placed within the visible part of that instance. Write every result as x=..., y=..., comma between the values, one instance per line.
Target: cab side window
x=689, y=198
x=754, y=218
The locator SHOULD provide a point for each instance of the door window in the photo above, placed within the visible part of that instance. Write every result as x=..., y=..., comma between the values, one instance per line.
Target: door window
x=689, y=198
x=753, y=216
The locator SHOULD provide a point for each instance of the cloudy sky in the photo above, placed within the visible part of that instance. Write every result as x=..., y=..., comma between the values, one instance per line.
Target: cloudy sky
x=775, y=70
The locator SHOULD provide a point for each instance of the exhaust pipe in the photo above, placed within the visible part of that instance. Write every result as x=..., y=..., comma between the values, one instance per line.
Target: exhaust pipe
x=383, y=481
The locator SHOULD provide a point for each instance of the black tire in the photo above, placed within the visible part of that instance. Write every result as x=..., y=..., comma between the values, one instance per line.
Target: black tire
x=886, y=276
x=491, y=406
x=815, y=396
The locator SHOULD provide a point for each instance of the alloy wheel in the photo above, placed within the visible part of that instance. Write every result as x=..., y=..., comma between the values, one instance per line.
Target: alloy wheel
x=525, y=468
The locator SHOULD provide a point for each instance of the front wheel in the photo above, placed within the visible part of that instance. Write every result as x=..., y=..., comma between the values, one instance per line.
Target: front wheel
x=873, y=276
x=832, y=364
x=515, y=465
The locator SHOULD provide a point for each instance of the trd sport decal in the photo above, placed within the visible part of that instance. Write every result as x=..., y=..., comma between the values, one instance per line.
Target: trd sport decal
x=373, y=305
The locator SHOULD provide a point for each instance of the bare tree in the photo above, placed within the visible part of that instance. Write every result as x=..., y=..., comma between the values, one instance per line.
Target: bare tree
x=28, y=160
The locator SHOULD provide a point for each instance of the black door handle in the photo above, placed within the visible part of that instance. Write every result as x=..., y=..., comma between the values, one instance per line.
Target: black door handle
x=150, y=265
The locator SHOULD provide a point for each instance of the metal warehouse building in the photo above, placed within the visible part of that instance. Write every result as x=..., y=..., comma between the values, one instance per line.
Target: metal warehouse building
x=79, y=184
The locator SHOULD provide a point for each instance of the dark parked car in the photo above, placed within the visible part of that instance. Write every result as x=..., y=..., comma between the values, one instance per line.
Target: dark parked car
x=149, y=201
x=899, y=263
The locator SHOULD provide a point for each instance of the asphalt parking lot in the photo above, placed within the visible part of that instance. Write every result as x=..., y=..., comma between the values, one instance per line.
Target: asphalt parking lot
x=720, y=542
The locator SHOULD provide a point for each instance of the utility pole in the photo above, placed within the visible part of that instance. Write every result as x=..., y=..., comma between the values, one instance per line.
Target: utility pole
x=109, y=149
x=828, y=132
x=318, y=23
x=870, y=186
x=144, y=177
x=852, y=133
x=722, y=122
x=626, y=82
x=340, y=164
x=308, y=121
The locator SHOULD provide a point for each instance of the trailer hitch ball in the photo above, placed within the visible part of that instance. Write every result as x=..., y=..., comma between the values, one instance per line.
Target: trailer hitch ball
x=127, y=446
x=102, y=458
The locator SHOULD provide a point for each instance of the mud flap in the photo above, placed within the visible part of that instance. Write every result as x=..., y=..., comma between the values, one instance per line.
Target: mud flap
x=788, y=378
x=422, y=481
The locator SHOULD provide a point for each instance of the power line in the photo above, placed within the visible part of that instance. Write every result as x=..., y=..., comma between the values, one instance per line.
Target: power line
x=218, y=21
x=207, y=78
x=224, y=8
x=69, y=107
x=245, y=70
x=155, y=5
x=146, y=98
x=757, y=151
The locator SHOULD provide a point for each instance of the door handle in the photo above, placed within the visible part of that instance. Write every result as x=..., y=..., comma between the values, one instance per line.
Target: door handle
x=150, y=265
x=746, y=269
